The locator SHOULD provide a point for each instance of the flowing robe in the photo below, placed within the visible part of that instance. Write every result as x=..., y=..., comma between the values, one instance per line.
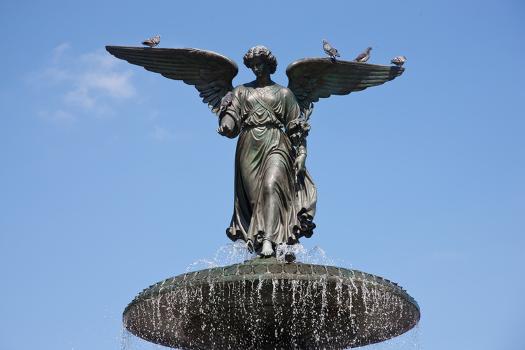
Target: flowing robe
x=271, y=202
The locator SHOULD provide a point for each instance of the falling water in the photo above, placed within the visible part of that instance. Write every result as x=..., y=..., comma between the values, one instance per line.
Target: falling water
x=408, y=341
x=236, y=252
x=232, y=311
x=315, y=255
x=232, y=253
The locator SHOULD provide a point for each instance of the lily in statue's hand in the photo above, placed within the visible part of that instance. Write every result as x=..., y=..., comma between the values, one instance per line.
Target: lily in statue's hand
x=227, y=127
x=299, y=164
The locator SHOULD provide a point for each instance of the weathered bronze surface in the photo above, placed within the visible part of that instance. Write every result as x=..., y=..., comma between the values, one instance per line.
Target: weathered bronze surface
x=267, y=304
x=275, y=197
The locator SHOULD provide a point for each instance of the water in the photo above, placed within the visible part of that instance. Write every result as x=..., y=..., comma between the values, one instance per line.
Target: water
x=315, y=255
x=232, y=253
x=292, y=302
x=408, y=341
x=131, y=342
x=236, y=252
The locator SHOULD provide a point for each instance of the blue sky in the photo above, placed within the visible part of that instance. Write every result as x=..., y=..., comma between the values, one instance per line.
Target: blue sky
x=113, y=178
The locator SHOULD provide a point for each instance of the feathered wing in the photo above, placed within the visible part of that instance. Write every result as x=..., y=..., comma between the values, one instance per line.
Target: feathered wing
x=313, y=78
x=211, y=73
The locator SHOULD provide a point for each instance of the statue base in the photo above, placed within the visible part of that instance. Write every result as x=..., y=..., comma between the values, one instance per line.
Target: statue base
x=268, y=304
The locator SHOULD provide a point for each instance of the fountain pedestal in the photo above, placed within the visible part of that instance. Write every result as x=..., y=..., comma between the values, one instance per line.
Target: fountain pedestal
x=267, y=304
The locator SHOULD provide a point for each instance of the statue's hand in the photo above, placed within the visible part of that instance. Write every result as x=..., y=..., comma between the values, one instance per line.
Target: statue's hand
x=227, y=126
x=299, y=164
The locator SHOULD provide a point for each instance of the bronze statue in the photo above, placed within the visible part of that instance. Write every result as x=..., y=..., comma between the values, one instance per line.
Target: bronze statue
x=275, y=197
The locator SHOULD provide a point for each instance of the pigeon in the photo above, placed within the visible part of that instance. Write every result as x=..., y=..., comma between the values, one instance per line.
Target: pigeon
x=363, y=56
x=152, y=42
x=226, y=101
x=330, y=50
x=398, y=60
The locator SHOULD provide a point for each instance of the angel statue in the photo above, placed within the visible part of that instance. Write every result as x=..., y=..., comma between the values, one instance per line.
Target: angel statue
x=275, y=197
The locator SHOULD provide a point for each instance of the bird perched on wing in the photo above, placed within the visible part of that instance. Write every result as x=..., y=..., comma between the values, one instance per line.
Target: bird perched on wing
x=152, y=42
x=363, y=56
x=399, y=60
x=330, y=50
x=226, y=101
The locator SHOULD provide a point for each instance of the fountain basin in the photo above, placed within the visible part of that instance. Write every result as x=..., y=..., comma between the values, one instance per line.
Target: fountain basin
x=268, y=304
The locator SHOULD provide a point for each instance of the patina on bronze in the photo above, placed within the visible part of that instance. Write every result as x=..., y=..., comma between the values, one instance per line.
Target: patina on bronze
x=275, y=197
x=265, y=303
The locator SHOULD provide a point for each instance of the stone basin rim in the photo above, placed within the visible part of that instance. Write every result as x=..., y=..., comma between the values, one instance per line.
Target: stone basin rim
x=189, y=278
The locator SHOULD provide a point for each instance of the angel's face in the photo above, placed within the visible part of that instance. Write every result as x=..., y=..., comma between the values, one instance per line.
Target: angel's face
x=260, y=67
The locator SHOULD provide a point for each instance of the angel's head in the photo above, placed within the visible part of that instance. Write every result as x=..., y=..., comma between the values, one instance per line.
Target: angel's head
x=260, y=60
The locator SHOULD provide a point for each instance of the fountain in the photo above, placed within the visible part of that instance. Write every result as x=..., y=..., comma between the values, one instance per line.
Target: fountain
x=268, y=304
x=271, y=301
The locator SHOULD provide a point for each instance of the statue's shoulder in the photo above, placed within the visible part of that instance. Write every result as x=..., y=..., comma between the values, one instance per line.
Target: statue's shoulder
x=286, y=91
x=280, y=89
x=245, y=86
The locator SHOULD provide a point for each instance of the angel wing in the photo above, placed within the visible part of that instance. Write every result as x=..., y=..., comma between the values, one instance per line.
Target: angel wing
x=313, y=78
x=210, y=72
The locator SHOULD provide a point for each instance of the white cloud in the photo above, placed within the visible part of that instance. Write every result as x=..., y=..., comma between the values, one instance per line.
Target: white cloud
x=100, y=59
x=59, y=51
x=79, y=97
x=160, y=134
x=90, y=83
x=116, y=84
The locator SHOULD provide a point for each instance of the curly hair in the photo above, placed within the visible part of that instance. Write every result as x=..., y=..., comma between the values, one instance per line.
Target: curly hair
x=263, y=52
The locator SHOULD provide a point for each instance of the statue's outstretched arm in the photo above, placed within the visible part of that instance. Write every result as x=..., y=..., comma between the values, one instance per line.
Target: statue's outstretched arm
x=209, y=72
x=230, y=118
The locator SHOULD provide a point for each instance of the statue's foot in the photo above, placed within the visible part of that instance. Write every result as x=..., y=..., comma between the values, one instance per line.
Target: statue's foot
x=267, y=249
x=249, y=246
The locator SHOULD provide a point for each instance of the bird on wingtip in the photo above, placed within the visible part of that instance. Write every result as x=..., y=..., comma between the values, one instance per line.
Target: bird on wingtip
x=330, y=50
x=363, y=56
x=152, y=42
x=399, y=60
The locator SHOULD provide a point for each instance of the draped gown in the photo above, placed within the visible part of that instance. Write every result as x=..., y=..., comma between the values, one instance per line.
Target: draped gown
x=270, y=201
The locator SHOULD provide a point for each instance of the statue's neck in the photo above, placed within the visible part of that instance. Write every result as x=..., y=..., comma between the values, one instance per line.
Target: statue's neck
x=263, y=81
